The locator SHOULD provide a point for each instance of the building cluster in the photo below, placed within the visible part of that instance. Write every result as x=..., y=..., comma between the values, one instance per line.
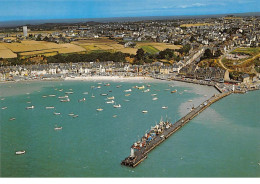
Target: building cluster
x=61, y=70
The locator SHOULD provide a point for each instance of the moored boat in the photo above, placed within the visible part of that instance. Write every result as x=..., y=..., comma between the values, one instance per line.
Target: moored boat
x=174, y=91
x=117, y=106
x=57, y=128
x=144, y=111
x=20, y=152
x=99, y=109
x=30, y=107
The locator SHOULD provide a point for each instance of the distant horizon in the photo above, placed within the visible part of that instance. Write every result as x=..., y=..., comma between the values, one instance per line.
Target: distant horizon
x=12, y=23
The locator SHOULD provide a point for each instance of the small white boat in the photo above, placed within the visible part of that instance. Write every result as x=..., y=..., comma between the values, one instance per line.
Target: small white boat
x=69, y=92
x=20, y=152
x=189, y=100
x=85, y=93
x=56, y=113
x=44, y=96
x=111, y=98
x=185, y=90
x=30, y=107
x=142, y=87
x=126, y=100
x=144, y=111
x=67, y=100
x=99, y=109
x=2, y=98
x=128, y=90
x=71, y=114
x=155, y=98
x=100, y=83
x=147, y=90
x=110, y=102
x=11, y=119
x=28, y=102
x=104, y=94
x=153, y=94
x=107, y=84
x=99, y=87
x=57, y=128
x=82, y=100
x=117, y=106
x=61, y=90
x=164, y=107
x=118, y=86
x=51, y=107
x=4, y=108
x=128, y=94
x=92, y=96
x=114, y=116
x=52, y=95
x=66, y=96
x=75, y=116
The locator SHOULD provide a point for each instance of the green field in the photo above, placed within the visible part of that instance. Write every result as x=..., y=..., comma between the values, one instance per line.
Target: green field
x=150, y=49
x=252, y=51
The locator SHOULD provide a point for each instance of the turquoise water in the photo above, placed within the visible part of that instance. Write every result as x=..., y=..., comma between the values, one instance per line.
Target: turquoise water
x=223, y=141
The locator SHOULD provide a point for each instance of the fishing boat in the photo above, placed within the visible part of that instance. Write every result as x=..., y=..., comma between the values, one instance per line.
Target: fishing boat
x=56, y=113
x=20, y=152
x=111, y=98
x=4, y=108
x=164, y=107
x=174, y=91
x=30, y=107
x=51, y=107
x=117, y=106
x=155, y=98
x=144, y=111
x=99, y=109
x=11, y=119
x=110, y=102
x=128, y=90
x=57, y=128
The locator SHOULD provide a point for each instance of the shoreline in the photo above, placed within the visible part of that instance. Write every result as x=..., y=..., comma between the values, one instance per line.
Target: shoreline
x=106, y=78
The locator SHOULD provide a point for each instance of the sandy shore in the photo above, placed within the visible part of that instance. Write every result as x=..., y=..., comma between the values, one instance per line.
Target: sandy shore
x=108, y=78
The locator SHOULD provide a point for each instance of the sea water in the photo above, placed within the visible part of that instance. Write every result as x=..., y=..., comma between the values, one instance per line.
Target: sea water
x=222, y=141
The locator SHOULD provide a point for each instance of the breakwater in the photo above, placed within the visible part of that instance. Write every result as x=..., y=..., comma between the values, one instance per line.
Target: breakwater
x=138, y=155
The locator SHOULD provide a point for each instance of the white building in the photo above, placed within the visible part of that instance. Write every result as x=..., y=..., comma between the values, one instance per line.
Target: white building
x=25, y=31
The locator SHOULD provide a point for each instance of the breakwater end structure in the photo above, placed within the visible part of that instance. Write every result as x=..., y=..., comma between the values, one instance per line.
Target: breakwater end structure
x=140, y=151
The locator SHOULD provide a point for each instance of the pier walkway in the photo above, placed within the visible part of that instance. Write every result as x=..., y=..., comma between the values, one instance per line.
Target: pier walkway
x=141, y=154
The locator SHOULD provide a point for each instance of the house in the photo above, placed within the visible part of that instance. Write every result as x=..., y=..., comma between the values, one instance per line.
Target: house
x=245, y=78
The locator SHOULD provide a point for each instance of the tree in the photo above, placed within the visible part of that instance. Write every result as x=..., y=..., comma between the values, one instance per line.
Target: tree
x=140, y=54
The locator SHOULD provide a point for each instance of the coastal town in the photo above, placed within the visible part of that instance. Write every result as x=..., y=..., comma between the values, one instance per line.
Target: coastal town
x=222, y=51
